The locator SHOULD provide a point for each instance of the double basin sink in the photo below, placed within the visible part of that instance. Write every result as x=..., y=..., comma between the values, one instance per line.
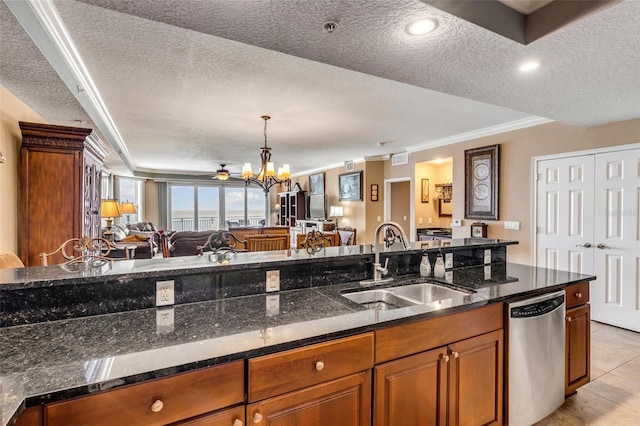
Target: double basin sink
x=434, y=295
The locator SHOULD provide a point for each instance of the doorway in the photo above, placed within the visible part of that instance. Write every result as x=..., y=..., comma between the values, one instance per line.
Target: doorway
x=398, y=204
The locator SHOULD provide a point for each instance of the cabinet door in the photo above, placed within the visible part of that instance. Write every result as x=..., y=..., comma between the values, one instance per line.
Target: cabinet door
x=412, y=390
x=344, y=402
x=577, y=347
x=475, y=380
x=91, y=201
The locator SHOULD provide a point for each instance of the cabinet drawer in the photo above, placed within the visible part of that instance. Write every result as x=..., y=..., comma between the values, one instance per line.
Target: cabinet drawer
x=156, y=402
x=577, y=294
x=298, y=368
x=229, y=417
x=402, y=340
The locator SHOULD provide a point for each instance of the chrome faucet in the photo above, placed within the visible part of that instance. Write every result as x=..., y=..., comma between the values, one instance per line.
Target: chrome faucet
x=390, y=238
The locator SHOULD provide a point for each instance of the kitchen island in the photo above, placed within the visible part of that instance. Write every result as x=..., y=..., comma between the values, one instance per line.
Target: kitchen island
x=46, y=358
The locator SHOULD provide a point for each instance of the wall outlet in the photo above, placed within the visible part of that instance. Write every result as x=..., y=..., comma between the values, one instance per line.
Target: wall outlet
x=512, y=225
x=487, y=256
x=404, y=218
x=456, y=222
x=273, y=280
x=419, y=221
x=379, y=218
x=430, y=220
x=448, y=260
x=165, y=293
x=165, y=320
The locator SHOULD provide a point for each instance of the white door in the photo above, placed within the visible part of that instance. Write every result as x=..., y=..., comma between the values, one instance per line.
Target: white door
x=615, y=295
x=565, y=214
x=587, y=221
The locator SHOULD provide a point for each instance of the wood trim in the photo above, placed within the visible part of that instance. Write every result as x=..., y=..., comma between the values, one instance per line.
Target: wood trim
x=407, y=339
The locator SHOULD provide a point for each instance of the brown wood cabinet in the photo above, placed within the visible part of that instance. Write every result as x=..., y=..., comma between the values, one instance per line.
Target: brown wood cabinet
x=229, y=417
x=457, y=384
x=155, y=402
x=577, y=338
x=344, y=402
x=60, y=175
x=293, y=207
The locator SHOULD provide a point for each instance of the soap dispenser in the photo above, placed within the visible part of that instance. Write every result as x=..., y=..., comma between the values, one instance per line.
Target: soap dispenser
x=438, y=269
x=425, y=266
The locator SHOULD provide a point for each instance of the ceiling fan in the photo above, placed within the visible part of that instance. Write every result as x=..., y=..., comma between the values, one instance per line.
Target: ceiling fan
x=223, y=174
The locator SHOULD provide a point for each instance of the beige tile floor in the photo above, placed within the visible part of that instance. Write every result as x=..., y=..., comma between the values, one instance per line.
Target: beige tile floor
x=612, y=398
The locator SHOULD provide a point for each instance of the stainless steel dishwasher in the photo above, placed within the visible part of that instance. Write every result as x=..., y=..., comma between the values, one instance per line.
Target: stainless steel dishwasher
x=536, y=357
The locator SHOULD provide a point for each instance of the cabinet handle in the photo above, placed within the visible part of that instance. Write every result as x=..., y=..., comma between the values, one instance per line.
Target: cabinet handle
x=455, y=354
x=568, y=319
x=319, y=365
x=237, y=422
x=578, y=295
x=444, y=358
x=157, y=406
x=257, y=418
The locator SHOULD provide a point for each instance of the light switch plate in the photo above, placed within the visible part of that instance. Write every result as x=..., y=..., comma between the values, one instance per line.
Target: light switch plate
x=448, y=260
x=487, y=256
x=512, y=225
x=273, y=280
x=456, y=222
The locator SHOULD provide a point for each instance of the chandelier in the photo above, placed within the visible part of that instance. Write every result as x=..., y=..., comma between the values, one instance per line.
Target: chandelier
x=266, y=177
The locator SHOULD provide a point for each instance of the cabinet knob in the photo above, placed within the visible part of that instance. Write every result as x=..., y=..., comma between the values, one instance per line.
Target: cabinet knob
x=257, y=418
x=455, y=354
x=578, y=295
x=568, y=319
x=157, y=406
x=237, y=422
x=319, y=365
x=444, y=357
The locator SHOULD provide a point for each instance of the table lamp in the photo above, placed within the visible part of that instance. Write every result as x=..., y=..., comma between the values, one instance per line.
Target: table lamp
x=109, y=210
x=128, y=208
x=337, y=212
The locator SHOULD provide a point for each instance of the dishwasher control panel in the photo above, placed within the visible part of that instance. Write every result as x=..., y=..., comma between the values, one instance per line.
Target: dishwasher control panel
x=538, y=308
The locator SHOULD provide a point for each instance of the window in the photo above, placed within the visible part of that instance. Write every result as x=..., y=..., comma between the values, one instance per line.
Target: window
x=130, y=190
x=197, y=207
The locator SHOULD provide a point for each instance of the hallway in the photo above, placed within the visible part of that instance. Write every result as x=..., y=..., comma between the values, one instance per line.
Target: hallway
x=613, y=396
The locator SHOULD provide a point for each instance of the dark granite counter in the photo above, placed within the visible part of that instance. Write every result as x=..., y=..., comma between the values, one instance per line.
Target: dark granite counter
x=53, y=360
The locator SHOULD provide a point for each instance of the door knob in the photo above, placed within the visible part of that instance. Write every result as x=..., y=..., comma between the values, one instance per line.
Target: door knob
x=585, y=245
x=602, y=246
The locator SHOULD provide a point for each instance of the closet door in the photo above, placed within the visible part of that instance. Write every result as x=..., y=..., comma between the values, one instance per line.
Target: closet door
x=615, y=295
x=565, y=214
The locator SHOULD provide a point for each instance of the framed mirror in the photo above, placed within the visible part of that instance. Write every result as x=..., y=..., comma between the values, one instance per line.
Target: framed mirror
x=445, y=209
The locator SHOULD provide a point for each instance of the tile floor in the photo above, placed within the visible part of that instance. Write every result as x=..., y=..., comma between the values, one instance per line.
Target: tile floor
x=612, y=398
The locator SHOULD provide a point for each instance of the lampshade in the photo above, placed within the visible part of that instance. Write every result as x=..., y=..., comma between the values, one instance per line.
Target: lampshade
x=336, y=211
x=110, y=208
x=128, y=208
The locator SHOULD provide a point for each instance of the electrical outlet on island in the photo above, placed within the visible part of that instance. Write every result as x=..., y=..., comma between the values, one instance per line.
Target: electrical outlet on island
x=165, y=293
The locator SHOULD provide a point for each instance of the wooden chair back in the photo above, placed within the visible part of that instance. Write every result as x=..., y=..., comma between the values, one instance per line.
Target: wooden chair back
x=10, y=260
x=241, y=235
x=83, y=249
x=221, y=239
x=275, y=230
x=268, y=242
x=347, y=236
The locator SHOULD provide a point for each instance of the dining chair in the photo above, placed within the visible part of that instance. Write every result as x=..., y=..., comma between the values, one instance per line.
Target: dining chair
x=83, y=249
x=316, y=240
x=264, y=242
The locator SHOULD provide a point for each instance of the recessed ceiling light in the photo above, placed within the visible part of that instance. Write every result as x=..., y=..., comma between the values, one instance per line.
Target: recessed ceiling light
x=422, y=26
x=529, y=66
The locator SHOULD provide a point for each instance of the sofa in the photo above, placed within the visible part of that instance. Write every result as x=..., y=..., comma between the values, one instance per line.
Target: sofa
x=191, y=243
x=144, y=235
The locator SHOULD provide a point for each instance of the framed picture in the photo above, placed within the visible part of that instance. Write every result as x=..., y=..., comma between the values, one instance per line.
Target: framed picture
x=316, y=184
x=350, y=186
x=481, y=168
x=424, y=193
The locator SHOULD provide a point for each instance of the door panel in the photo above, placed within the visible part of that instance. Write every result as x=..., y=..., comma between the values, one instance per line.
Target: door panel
x=615, y=294
x=565, y=214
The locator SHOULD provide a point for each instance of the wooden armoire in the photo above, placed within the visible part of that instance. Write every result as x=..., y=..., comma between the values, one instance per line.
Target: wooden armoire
x=60, y=174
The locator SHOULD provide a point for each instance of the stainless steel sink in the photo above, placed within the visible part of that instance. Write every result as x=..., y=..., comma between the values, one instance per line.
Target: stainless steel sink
x=378, y=299
x=426, y=292
x=415, y=294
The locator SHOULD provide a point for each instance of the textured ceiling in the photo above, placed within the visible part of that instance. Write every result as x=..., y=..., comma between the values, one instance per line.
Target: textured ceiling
x=186, y=82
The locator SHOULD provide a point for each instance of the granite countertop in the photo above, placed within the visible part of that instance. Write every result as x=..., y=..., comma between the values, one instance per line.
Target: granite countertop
x=50, y=361
x=39, y=276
